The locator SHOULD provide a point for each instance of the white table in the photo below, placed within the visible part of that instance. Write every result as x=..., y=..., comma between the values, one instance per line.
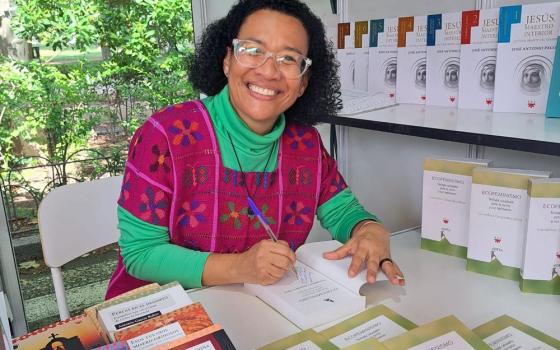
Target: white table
x=436, y=286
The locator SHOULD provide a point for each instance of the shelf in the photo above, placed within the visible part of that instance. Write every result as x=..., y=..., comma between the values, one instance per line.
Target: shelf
x=515, y=131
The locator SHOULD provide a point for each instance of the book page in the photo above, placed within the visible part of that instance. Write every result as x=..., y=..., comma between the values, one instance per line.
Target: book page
x=311, y=254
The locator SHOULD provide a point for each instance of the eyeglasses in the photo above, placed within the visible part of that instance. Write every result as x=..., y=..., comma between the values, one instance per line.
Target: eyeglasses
x=252, y=55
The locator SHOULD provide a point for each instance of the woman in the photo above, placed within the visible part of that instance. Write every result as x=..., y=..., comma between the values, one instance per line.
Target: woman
x=193, y=168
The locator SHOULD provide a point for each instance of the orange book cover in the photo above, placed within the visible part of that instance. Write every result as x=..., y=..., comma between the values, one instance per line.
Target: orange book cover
x=191, y=318
x=75, y=333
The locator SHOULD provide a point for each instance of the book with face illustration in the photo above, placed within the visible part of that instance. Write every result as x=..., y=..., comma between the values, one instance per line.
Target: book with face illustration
x=320, y=293
x=411, y=60
x=526, y=45
x=382, y=66
x=479, y=46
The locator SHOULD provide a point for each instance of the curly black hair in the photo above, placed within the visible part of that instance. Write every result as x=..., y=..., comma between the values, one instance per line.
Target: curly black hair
x=322, y=95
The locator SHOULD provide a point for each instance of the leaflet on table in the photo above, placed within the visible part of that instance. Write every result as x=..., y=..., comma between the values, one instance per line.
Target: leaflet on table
x=553, y=103
x=540, y=269
x=306, y=340
x=526, y=45
x=446, y=193
x=382, y=66
x=378, y=323
x=442, y=59
x=322, y=291
x=352, y=54
x=479, y=45
x=497, y=220
x=506, y=332
x=411, y=60
x=444, y=334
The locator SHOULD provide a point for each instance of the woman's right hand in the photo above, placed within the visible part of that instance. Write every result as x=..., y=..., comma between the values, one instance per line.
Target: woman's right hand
x=266, y=262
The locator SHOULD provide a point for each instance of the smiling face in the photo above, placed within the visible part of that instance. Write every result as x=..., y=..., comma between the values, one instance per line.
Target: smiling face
x=259, y=95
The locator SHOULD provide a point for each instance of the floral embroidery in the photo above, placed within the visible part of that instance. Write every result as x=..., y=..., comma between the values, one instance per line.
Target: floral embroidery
x=255, y=220
x=191, y=215
x=125, y=188
x=337, y=184
x=152, y=206
x=299, y=176
x=301, y=139
x=136, y=143
x=185, y=132
x=297, y=213
x=195, y=175
x=161, y=160
x=235, y=177
x=234, y=215
x=266, y=179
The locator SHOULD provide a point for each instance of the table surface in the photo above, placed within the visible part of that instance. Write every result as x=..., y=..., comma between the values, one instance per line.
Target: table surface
x=436, y=286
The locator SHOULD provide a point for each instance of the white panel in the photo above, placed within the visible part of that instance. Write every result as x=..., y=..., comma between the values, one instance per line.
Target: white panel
x=361, y=10
x=523, y=160
x=499, y=3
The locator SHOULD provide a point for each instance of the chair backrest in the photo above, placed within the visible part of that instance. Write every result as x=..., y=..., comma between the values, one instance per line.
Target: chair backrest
x=76, y=219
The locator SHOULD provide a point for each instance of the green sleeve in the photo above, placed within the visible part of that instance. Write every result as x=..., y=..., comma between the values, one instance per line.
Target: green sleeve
x=341, y=213
x=149, y=255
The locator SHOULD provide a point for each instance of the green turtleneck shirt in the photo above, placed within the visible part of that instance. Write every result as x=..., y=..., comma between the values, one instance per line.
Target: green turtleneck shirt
x=146, y=249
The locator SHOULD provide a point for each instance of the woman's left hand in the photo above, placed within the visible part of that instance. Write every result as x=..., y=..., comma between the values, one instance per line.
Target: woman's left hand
x=369, y=245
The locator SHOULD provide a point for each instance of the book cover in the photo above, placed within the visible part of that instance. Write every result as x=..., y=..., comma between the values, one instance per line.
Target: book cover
x=378, y=323
x=180, y=322
x=540, y=271
x=306, y=340
x=527, y=37
x=446, y=193
x=497, y=221
x=76, y=333
x=120, y=345
x=210, y=338
x=447, y=333
x=346, y=55
x=443, y=59
x=382, y=66
x=506, y=332
x=361, y=49
x=122, y=315
x=479, y=46
x=553, y=103
x=411, y=60
x=322, y=291
x=368, y=344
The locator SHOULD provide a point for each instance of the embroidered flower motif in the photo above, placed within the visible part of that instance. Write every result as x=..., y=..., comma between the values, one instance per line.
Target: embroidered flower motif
x=185, y=132
x=190, y=214
x=337, y=184
x=255, y=220
x=301, y=139
x=161, y=160
x=136, y=143
x=152, y=206
x=234, y=215
x=125, y=188
x=297, y=213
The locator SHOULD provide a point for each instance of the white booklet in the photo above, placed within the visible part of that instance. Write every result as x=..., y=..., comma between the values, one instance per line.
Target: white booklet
x=382, y=66
x=411, y=60
x=322, y=291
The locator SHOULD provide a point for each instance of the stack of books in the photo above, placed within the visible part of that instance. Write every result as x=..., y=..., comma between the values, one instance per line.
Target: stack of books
x=150, y=317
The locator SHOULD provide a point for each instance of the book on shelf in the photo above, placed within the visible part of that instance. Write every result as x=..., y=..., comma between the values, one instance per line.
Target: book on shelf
x=526, y=45
x=361, y=49
x=382, y=66
x=77, y=332
x=553, y=102
x=479, y=46
x=446, y=192
x=506, y=332
x=211, y=338
x=321, y=292
x=540, y=270
x=305, y=340
x=443, y=59
x=375, y=324
x=346, y=55
x=113, y=317
x=497, y=220
x=165, y=328
x=447, y=333
x=411, y=60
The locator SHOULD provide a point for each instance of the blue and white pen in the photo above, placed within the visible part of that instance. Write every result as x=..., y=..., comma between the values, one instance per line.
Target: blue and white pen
x=263, y=222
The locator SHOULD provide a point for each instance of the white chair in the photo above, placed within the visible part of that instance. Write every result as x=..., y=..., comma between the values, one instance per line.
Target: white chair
x=76, y=219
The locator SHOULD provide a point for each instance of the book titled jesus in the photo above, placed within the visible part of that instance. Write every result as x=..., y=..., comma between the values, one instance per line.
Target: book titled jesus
x=443, y=55
x=382, y=66
x=497, y=220
x=526, y=45
x=479, y=45
x=446, y=193
x=322, y=291
x=540, y=271
x=411, y=60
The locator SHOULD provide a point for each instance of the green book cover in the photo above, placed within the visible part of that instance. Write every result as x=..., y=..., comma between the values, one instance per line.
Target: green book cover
x=378, y=323
x=306, y=340
x=505, y=332
x=553, y=103
x=444, y=334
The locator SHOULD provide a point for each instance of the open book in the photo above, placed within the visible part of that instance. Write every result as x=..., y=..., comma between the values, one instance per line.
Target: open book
x=321, y=292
